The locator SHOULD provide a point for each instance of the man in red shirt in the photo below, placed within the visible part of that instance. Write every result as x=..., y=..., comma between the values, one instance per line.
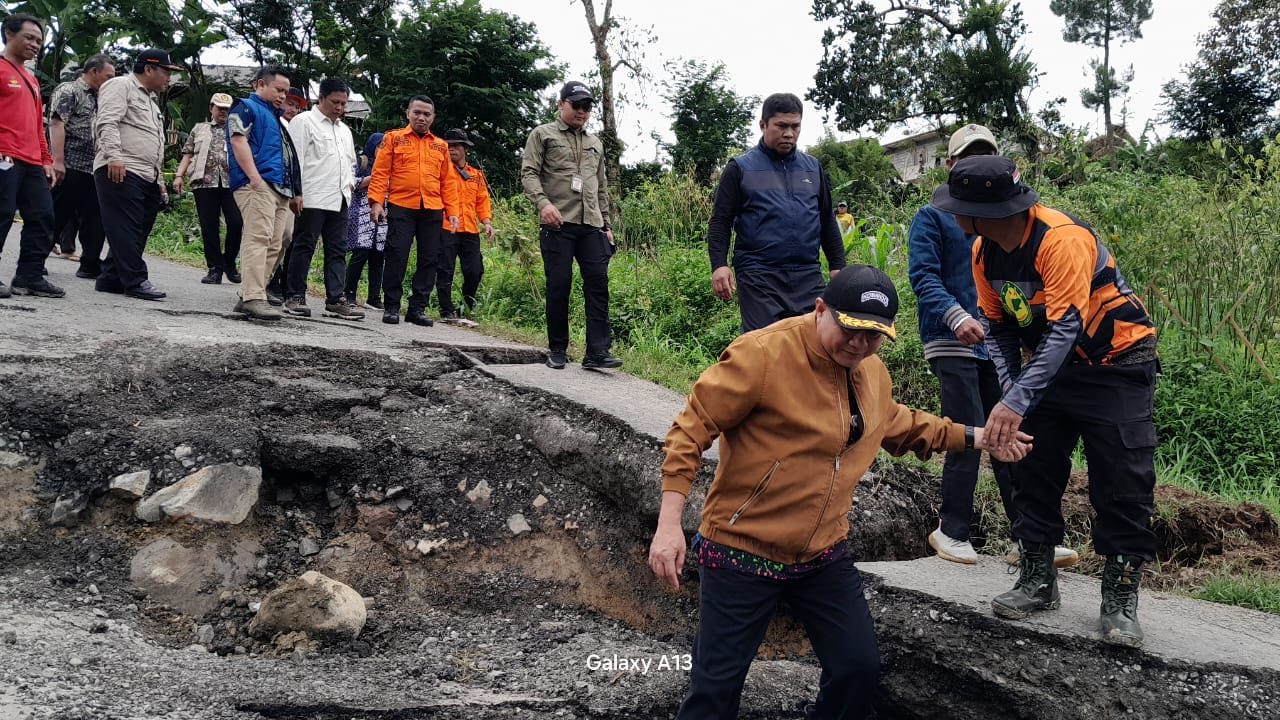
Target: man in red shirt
x=26, y=168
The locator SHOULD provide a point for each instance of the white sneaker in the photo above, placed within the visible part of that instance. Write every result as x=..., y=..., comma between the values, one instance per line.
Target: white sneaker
x=960, y=551
x=1063, y=557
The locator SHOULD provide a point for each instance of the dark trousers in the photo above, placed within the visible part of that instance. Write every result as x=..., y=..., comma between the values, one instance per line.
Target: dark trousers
x=313, y=225
x=767, y=295
x=734, y=614
x=454, y=248
x=970, y=388
x=1109, y=408
x=25, y=189
x=591, y=247
x=403, y=226
x=66, y=240
x=129, y=211
x=355, y=265
x=212, y=206
x=75, y=207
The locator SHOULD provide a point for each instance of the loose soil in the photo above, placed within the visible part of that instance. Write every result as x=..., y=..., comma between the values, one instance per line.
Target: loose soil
x=371, y=459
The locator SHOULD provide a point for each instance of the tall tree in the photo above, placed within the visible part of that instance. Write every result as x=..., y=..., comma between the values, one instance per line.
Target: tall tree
x=485, y=69
x=859, y=169
x=618, y=47
x=315, y=39
x=1234, y=84
x=1098, y=23
x=939, y=59
x=75, y=29
x=707, y=117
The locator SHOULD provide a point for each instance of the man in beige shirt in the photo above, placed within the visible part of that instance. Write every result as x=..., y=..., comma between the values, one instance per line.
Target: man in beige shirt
x=129, y=136
x=563, y=174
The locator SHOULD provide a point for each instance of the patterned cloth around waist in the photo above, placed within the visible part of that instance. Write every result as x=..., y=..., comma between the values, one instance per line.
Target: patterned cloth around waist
x=715, y=555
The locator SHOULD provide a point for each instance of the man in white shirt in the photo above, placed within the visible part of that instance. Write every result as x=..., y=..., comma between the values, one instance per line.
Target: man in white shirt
x=327, y=155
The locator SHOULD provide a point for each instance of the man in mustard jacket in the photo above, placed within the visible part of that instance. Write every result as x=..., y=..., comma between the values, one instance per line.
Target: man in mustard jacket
x=801, y=408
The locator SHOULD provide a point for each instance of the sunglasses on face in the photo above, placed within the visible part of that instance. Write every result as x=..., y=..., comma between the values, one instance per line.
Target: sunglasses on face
x=581, y=105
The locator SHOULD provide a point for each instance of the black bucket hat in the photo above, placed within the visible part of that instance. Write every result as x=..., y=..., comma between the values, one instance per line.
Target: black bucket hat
x=458, y=136
x=984, y=186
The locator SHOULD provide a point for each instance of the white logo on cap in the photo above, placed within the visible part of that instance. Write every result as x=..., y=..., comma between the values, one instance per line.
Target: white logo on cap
x=877, y=296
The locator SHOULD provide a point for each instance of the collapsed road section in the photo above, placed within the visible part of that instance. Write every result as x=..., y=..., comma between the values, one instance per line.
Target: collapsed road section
x=292, y=532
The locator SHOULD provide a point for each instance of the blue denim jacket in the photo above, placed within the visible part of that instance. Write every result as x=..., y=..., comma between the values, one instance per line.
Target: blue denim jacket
x=940, y=265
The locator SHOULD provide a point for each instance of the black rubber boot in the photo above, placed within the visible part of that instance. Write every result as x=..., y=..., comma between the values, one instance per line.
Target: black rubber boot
x=1037, y=586
x=1121, y=579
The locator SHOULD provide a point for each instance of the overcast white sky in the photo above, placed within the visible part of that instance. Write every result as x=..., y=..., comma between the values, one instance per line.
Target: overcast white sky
x=774, y=46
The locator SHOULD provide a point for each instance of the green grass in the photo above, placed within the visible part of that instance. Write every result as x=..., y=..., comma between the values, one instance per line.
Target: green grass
x=1250, y=591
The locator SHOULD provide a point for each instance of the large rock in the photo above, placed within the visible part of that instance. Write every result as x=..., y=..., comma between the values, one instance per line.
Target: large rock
x=130, y=486
x=217, y=494
x=190, y=579
x=321, y=607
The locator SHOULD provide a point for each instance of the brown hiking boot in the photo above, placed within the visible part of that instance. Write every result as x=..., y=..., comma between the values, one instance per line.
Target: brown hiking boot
x=259, y=310
x=342, y=310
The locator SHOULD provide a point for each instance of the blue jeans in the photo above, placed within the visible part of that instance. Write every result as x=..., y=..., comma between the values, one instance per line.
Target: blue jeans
x=734, y=615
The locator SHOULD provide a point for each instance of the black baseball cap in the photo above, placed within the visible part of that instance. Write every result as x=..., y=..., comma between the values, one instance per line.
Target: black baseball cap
x=984, y=186
x=156, y=57
x=862, y=297
x=576, y=90
x=296, y=94
x=458, y=136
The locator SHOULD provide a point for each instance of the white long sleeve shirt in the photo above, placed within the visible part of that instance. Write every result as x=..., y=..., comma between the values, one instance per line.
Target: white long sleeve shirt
x=327, y=155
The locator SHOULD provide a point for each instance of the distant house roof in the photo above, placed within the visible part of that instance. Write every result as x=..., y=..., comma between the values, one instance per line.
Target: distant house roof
x=915, y=155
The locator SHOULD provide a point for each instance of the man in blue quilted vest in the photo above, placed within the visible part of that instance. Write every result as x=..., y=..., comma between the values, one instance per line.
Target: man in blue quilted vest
x=776, y=201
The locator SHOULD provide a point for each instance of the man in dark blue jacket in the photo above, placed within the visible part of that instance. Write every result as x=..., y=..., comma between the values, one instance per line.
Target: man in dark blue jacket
x=941, y=271
x=266, y=184
x=777, y=202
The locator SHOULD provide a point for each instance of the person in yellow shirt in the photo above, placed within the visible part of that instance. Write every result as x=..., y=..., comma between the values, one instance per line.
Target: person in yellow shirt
x=464, y=244
x=844, y=218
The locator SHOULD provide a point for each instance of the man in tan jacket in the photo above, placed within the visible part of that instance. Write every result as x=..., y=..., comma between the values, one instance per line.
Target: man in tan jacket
x=801, y=408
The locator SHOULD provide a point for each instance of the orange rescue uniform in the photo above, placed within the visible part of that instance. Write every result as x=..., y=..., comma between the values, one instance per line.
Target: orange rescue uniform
x=414, y=172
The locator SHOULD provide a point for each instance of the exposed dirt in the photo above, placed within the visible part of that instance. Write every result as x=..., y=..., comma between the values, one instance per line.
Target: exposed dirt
x=373, y=460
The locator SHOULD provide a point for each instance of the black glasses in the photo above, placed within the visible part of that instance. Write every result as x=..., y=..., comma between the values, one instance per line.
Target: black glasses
x=581, y=105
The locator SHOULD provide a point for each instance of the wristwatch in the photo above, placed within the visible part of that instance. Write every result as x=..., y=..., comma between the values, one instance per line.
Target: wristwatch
x=968, y=437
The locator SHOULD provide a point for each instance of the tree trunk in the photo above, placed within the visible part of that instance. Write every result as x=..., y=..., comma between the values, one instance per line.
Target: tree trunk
x=609, y=136
x=1106, y=65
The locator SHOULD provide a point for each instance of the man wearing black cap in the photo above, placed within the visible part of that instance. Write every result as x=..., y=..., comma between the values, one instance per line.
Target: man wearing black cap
x=129, y=136
x=463, y=245
x=563, y=174
x=801, y=409
x=776, y=202
x=1047, y=286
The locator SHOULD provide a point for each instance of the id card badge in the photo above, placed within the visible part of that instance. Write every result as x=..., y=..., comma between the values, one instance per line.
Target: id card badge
x=576, y=184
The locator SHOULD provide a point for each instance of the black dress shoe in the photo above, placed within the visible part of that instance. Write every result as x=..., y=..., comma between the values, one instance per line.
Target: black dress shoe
x=373, y=302
x=86, y=275
x=417, y=317
x=391, y=317
x=274, y=299
x=145, y=291
x=232, y=275
x=107, y=285
x=213, y=277
x=556, y=360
